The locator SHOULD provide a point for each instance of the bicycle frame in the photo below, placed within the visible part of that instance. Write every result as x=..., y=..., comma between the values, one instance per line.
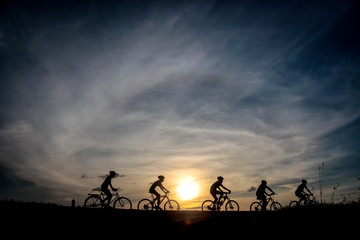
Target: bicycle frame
x=308, y=198
x=102, y=196
x=96, y=200
x=230, y=205
x=269, y=199
x=151, y=204
x=222, y=200
x=270, y=202
x=162, y=198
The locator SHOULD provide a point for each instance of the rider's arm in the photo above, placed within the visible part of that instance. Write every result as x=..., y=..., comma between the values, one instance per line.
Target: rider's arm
x=219, y=188
x=308, y=190
x=114, y=189
x=226, y=189
x=270, y=190
x=163, y=188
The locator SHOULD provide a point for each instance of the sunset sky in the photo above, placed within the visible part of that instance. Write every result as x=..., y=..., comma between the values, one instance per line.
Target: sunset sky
x=191, y=90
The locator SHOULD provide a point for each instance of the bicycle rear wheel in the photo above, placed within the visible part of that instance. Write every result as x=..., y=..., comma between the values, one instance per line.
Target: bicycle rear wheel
x=122, y=203
x=275, y=206
x=171, y=205
x=231, y=205
x=145, y=204
x=255, y=207
x=93, y=202
x=207, y=205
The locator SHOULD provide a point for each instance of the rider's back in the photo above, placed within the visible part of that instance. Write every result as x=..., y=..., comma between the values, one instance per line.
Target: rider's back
x=260, y=191
x=214, y=186
x=154, y=185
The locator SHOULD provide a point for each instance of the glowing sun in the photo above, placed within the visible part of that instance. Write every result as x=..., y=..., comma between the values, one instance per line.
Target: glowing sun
x=188, y=190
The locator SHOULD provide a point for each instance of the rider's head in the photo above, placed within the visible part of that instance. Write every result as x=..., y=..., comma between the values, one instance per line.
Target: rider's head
x=304, y=181
x=161, y=178
x=263, y=182
x=112, y=173
x=220, y=178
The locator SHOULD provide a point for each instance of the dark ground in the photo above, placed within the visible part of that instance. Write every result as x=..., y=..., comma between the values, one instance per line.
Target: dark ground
x=36, y=220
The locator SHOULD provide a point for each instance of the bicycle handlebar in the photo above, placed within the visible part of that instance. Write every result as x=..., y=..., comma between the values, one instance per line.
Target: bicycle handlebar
x=166, y=193
x=225, y=194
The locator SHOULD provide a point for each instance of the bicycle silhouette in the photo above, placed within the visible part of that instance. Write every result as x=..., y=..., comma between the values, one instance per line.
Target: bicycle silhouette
x=309, y=201
x=97, y=201
x=231, y=205
x=169, y=204
x=273, y=205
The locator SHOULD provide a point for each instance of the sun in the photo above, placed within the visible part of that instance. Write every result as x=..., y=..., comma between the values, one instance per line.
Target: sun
x=188, y=190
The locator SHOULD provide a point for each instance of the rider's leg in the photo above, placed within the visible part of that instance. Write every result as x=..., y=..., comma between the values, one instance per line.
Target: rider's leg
x=264, y=203
x=109, y=199
x=157, y=199
x=109, y=196
x=302, y=199
x=300, y=196
x=220, y=197
x=215, y=200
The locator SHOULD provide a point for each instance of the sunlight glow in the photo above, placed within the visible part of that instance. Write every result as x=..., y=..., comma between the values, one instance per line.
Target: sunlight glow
x=188, y=190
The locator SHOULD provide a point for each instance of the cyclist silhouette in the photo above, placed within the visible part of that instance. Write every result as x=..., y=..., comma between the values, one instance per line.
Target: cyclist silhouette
x=105, y=187
x=158, y=183
x=300, y=193
x=261, y=194
x=215, y=189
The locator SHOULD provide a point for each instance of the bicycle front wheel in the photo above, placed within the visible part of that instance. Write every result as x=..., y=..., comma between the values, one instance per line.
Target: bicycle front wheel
x=122, y=203
x=171, y=205
x=93, y=202
x=255, y=207
x=232, y=205
x=145, y=204
x=311, y=203
x=294, y=204
x=207, y=205
x=275, y=206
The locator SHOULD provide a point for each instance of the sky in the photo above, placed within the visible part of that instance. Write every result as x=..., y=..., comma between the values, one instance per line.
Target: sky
x=192, y=90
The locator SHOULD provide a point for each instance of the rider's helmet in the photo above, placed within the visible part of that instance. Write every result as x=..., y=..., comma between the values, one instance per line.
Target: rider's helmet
x=304, y=181
x=220, y=178
x=113, y=173
x=263, y=182
x=161, y=177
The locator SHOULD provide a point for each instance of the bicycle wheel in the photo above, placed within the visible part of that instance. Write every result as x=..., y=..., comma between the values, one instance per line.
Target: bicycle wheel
x=231, y=205
x=312, y=203
x=294, y=204
x=275, y=206
x=145, y=204
x=122, y=203
x=93, y=202
x=171, y=205
x=207, y=205
x=255, y=207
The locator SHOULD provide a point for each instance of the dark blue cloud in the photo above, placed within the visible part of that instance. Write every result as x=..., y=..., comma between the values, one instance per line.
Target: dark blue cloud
x=10, y=180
